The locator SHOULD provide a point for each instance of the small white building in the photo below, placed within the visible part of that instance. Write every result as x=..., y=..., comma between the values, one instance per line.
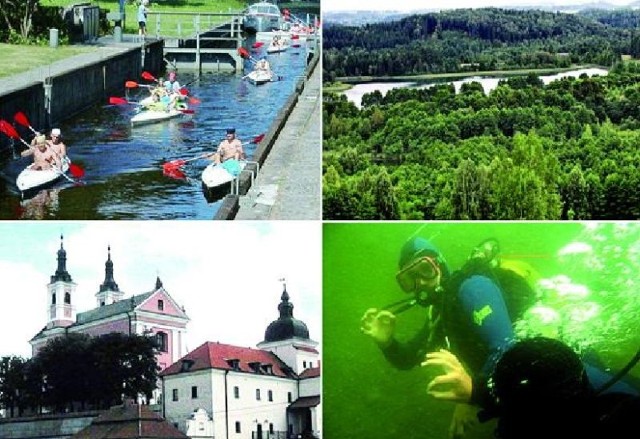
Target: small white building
x=231, y=392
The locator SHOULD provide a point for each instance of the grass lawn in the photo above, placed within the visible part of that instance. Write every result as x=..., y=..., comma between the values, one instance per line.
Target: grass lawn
x=335, y=87
x=18, y=59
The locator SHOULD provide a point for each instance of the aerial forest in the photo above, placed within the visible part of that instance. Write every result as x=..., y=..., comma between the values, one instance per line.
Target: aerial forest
x=525, y=150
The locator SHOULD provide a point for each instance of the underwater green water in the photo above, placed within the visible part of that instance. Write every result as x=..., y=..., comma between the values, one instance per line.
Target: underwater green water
x=588, y=279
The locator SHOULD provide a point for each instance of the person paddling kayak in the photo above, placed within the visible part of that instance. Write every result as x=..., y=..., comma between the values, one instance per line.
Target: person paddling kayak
x=44, y=157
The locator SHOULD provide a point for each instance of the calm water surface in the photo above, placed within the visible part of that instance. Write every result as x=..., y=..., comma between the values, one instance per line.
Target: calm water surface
x=123, y=164
x=355, y=93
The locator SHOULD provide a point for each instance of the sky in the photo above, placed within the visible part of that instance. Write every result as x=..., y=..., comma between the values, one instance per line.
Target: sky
x=225, y=274
x=410, y=5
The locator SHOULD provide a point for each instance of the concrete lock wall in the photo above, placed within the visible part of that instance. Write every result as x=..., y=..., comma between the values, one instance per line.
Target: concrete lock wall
x=74, y=91
x=46, y=427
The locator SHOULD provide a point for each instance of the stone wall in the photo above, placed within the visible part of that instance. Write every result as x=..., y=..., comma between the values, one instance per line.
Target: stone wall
x=46, y=426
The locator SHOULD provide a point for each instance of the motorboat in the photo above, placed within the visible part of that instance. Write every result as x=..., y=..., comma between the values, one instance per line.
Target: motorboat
x=262, y=17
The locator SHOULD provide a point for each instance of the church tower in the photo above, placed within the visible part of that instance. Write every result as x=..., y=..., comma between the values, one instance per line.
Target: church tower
x=109, y=292
x=60, y=292
x=288, y=338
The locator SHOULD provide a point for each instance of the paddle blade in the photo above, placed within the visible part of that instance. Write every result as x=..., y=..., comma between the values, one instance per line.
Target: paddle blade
x=8, y=129
x=174, y=164
x=243, y=52
x=184, y=91
x=21, y=118
x=257, y=44
x=187, y=111
x=76, y=170
x=117, y=101
x=148, y=76
x=194, y=101
x=295, y=37
x=131, y=84
x=175, y=173
x=258, y=138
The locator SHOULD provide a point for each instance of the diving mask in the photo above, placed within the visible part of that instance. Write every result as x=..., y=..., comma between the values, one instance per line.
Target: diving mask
x=425, y=268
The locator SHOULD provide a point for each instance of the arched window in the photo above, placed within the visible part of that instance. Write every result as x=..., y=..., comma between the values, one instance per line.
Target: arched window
x=162, y=341
x=67, y=298
x=53, y=299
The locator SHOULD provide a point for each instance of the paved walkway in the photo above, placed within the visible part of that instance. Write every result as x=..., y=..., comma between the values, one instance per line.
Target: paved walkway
x=288, y=186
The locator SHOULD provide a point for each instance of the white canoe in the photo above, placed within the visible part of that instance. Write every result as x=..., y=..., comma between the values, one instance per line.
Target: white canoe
x=151, y=116
x=30, y=179
x=276, y=49
x=260, y=76
x=215, y=175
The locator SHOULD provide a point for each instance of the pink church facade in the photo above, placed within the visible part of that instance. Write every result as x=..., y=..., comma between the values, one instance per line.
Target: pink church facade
x=154, y=313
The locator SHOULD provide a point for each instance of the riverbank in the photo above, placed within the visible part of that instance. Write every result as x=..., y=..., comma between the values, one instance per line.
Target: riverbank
x=344, y=83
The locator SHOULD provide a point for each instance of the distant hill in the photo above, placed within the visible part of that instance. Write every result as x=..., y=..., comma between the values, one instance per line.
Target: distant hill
x=360, y=17
x=479, y=39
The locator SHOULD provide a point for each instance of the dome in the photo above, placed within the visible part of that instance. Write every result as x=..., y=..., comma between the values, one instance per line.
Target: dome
x=286, y=327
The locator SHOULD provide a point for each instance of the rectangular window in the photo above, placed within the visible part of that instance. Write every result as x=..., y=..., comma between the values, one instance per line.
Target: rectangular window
x=270, y=395
x=238, y=427
x=304, y=364
x=194, y=392
x=289, y=397
x=236, y=392
x=258, y=394
x=175, y=394
x=161, y=305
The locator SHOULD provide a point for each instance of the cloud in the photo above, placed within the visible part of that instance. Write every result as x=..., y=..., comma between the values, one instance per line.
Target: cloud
x=224, y=274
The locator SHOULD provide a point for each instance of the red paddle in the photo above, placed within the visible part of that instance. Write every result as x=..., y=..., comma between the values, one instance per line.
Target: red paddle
x=10, y=131
x=118, y=101
x=21, y=118
x=257, y=45
x=149, y=77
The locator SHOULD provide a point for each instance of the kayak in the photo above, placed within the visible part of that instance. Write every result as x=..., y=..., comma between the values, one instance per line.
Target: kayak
x=276, y=48
x=152, y=116
x=31, y=179
x=216, y=175
x=258, y=77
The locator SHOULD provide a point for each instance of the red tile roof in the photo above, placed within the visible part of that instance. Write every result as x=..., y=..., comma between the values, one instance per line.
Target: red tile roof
x=217, y=355
x=130, y=421
x=312, y=372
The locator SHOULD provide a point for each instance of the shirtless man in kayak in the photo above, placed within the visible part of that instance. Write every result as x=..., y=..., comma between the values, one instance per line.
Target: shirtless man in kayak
x=44, y=157
x=57, y=144
x=229, y=148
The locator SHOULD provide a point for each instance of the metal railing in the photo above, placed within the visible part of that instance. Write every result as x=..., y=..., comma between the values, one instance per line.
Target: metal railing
x=190, y=24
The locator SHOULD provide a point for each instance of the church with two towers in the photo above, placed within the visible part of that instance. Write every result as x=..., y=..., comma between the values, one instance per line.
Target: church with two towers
x=216, y=390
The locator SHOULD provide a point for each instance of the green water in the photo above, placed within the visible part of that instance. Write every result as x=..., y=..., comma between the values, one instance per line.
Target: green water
x=595, y=307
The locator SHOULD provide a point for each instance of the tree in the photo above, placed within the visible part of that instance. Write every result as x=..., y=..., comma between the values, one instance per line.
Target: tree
x=19, y=14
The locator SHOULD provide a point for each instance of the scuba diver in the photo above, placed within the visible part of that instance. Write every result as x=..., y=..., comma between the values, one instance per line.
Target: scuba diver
x=469, y=312
x=541, y=388
x=468, y=326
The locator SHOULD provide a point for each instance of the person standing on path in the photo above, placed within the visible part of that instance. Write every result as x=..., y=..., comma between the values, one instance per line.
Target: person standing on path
x=142, y=18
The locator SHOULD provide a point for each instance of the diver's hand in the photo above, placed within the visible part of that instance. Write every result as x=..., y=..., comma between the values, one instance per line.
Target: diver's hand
x=455, y=384
x=465, y=416
x=379, y=325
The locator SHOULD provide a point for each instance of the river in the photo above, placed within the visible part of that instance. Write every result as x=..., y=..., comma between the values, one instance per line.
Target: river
x=123, y=164
x=355, y=93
